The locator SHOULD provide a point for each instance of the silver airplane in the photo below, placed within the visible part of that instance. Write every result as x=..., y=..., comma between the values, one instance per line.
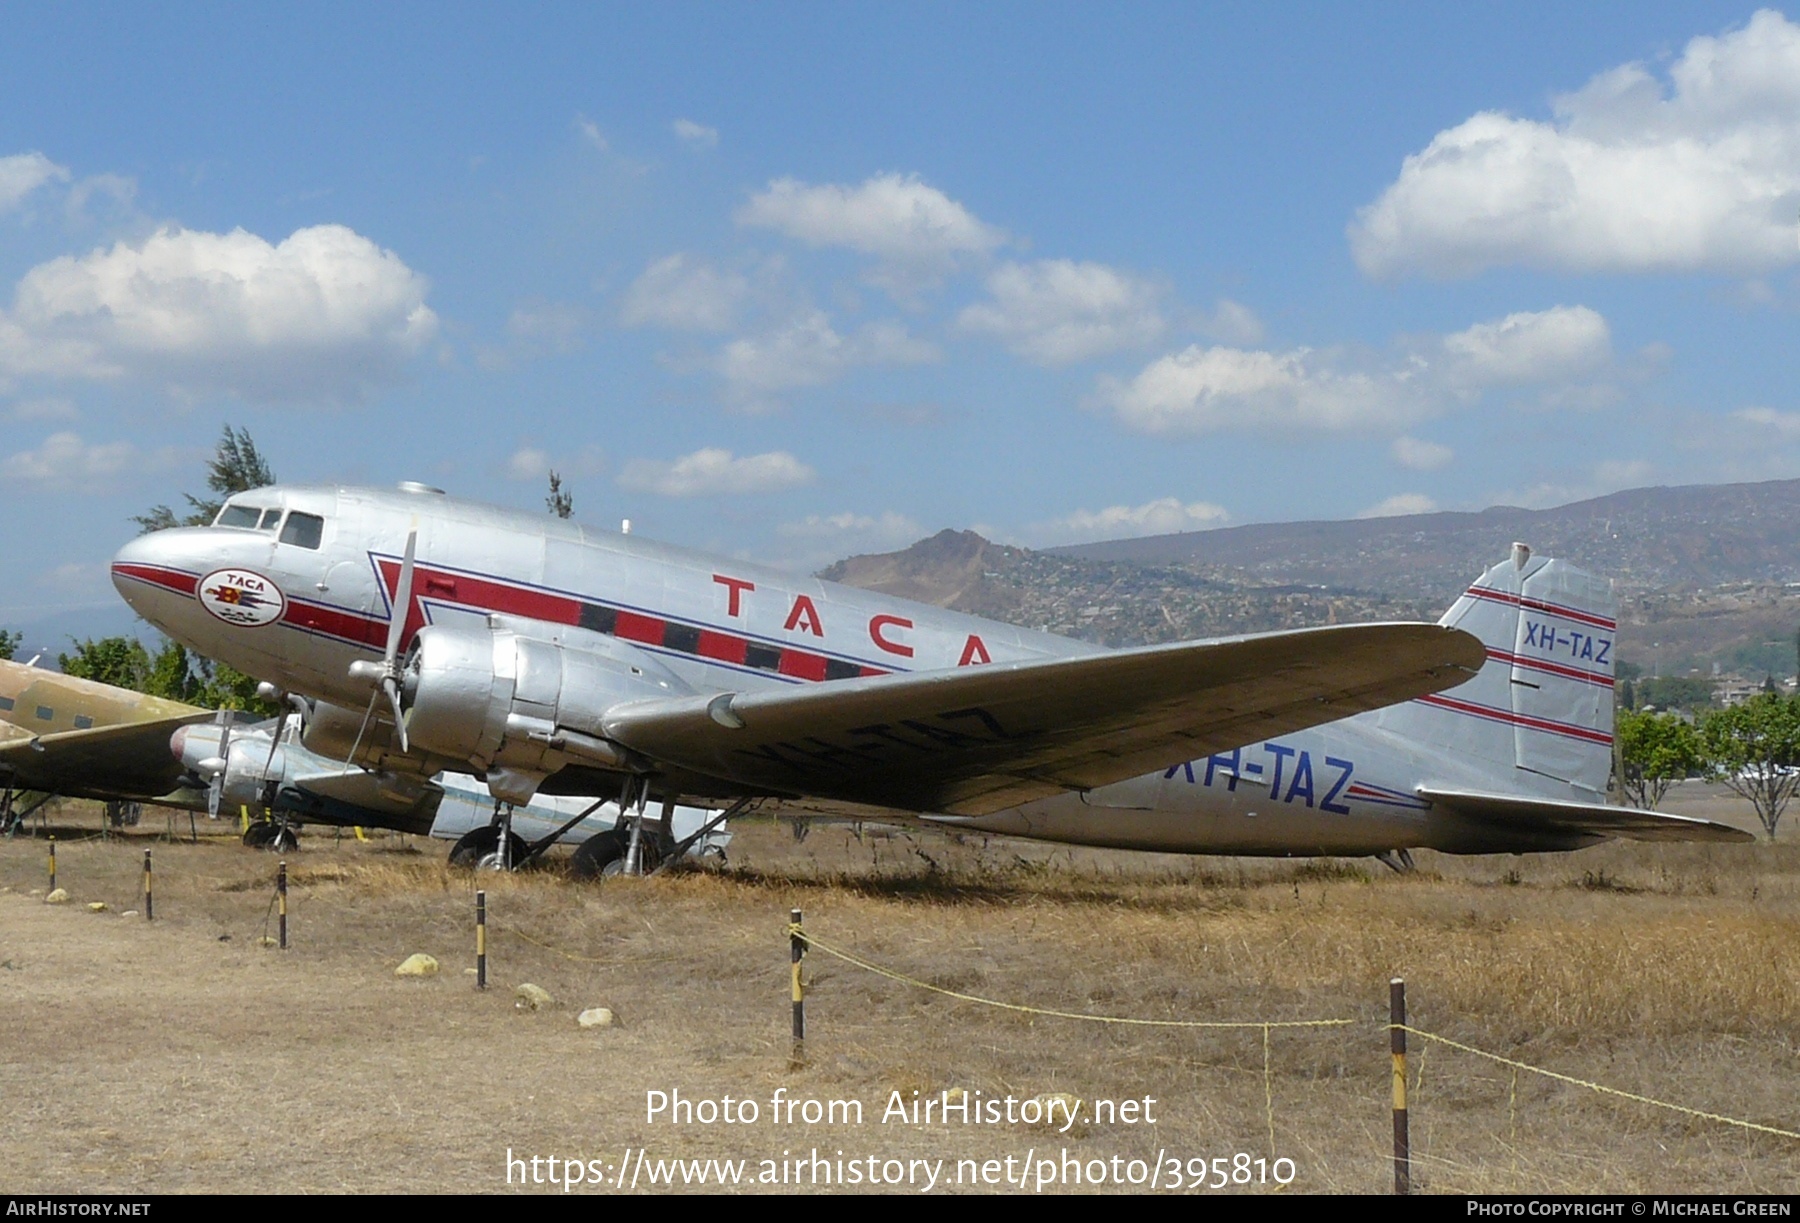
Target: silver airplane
x=256, y=766
x=432, y=634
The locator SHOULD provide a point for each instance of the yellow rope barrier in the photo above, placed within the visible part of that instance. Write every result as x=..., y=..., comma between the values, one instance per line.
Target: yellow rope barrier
x=1611, y=1091
x=850, y=958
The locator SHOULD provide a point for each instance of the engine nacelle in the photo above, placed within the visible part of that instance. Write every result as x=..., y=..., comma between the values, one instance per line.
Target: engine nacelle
x=521, y=696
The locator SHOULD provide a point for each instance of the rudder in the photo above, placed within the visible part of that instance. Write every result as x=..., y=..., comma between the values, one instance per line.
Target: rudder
x=1543, y=703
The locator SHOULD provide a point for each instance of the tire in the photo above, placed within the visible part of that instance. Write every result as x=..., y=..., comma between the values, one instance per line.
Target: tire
x=283, y=840
x=594, y=856
x=473, y=846
x=259, y=834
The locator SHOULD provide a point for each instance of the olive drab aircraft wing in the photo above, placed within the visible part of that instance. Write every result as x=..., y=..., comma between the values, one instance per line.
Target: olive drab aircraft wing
x=82, y=739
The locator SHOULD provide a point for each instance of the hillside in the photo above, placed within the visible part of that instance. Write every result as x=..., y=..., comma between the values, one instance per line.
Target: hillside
x=1703, y=574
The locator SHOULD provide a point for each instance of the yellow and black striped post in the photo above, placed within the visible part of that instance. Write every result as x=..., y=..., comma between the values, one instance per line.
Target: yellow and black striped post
x=480, y=940
x=149, y=904
x=52, y=862
x=796, y=951
x=1397, y=1030
x=280, y=905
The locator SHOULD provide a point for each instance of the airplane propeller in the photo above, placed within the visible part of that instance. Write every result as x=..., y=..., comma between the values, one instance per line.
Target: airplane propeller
x=215, y=785
x=386, y=674
x=390, y=678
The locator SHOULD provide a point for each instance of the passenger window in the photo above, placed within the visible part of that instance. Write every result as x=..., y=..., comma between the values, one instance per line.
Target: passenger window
x=303, y=530
x=83, y=722
x=238, y=516
x=269, y=519
x=45, y=713
x=6, y=702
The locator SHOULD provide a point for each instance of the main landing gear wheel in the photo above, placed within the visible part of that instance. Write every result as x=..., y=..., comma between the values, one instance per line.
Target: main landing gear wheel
x=601, y=855
x=284, y=840
x=259, y=834
x=476, y=848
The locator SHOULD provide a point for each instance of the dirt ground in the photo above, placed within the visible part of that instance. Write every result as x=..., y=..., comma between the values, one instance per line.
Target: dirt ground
x=181, y=1055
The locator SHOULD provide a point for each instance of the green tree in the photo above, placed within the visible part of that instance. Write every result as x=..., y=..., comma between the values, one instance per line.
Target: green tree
x=120, y=661
x=171, y=672
x=1753, y=748
x=236, y=466
x=1656, y=750
x=561, y=503
x=10, y=643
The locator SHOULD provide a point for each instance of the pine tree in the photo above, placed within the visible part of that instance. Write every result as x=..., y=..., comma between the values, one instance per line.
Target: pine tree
x=235, y=467
x=561, y=504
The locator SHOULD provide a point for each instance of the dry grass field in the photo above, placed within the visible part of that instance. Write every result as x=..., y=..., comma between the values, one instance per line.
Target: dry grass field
x=181, y=1055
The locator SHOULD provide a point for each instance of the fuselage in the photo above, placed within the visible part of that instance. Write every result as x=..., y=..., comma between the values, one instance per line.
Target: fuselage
x=306, y=584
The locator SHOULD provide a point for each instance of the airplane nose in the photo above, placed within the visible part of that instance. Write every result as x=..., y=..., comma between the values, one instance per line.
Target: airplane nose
x=152, y=568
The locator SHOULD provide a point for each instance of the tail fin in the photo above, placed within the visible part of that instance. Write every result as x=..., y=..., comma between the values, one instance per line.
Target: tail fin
x=1543, y=703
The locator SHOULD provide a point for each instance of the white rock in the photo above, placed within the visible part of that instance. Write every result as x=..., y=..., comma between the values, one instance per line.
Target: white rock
x=129, y=913
x=59, y=897
x=417, y=965
x=532, y=997
x=597, y=1017
x=97, y=906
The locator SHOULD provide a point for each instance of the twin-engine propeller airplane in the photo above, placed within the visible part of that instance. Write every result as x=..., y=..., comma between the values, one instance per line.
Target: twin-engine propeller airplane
x=434, y=634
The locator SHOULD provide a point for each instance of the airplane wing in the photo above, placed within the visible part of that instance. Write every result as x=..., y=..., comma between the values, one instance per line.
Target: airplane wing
x=129, y=760
x=1536, y=816
x=980, y=739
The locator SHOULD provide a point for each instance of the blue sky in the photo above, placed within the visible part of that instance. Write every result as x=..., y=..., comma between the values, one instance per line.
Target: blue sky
x=798, y=281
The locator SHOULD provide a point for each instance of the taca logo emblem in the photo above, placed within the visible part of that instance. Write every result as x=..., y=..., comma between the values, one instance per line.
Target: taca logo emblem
x=240, y=597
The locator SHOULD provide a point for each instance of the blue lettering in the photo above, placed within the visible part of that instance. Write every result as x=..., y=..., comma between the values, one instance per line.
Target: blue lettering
x=1605, y=646
x=1302, y=783
x=1230, y=769
x=1280, y=753
x=1187, y=765
x=1531, y=631
x=1325, y=804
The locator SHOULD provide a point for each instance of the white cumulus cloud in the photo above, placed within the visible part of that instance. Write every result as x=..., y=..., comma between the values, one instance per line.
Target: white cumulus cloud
x=1291, y=394
x=1057, y=311
x=1399, y=504
x=66, y=457
x=1164, y=516
x=1630, y=175
x=893, y=217
x=714, y=471
x=686, y=294
x=1784, y=425
x=1205, y=390
x=696, y=135
x=809, y=351
x=23, y=173
x=324, y=315
x=1421, y=455
x=1547, y=346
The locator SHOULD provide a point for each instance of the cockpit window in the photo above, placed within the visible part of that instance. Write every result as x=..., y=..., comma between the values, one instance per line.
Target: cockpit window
x=239, y=516
x=303, y=530
x=269, y=519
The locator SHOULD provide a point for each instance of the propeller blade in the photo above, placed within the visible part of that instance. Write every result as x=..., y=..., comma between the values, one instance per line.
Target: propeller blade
x=274, y=744
x=215, y=787
x=391, y=686
x=402, y=606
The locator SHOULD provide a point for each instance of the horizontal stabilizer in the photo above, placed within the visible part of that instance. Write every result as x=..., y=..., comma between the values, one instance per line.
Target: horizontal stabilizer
x=978, y=739
x=1539, y=817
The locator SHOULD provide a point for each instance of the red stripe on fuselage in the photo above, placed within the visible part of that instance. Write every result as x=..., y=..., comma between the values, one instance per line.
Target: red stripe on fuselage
x=1551, y=668
x=155, y=575
x=1538, y=605
x=1568, y=730
x=491, y=595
